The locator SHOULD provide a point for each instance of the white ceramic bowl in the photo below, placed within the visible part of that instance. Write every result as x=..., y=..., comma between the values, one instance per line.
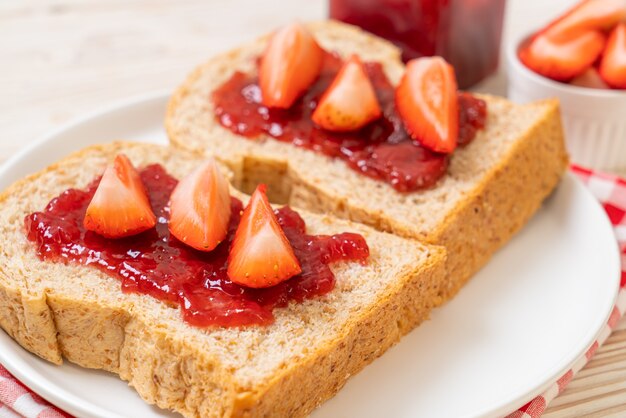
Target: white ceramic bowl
x=594, y=119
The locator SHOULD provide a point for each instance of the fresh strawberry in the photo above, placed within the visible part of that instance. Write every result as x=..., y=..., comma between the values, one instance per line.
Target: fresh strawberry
x=427, y=102
x=562, y=60
x=590, y=79
x=613, y=64
x=120, y=206
x=585, y=16
x=260, y=255
x=350, y=102
x=289, y=65
x=200, y=208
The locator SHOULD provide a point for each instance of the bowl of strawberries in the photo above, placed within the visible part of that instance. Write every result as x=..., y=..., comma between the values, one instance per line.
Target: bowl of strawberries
x=579, y=58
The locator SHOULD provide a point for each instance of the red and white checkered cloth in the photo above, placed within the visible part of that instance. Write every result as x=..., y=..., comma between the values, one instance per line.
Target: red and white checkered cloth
x=17, y=401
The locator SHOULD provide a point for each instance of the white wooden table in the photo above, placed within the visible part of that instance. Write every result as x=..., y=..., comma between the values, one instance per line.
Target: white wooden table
x=60, y=59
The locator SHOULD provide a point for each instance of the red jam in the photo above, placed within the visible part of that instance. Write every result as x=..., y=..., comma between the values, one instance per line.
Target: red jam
x=159, y=265
x=382, y=150
x=465, y=32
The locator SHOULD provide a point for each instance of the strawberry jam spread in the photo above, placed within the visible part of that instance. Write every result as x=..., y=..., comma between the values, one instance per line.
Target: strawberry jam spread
x=382, y=149
x=159, y=265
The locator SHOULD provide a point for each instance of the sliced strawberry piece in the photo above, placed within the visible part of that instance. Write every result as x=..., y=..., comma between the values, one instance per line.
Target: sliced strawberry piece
x=613, y=64
x=590, y=79
x=120, y=206
x=427, y=102
x=260, y=255
x=562, y=60
x=350, y=102
x=585, y=16
x=289, y=65
x=200, y=208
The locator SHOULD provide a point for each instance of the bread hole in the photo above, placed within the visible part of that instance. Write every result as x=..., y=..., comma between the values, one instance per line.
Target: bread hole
x=274, y=174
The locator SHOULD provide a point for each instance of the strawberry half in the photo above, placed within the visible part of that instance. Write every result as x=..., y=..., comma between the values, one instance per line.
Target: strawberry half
x=427, y=102
x=613, y=64
x=585, y=16
x=590, y=79
x=200, y=208
x=562, y=60
x=350, y=102
x=120, y=206
x=260, y=255
x=289, y=65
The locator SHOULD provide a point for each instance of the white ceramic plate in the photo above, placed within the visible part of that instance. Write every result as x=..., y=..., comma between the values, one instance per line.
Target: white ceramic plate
x=515, y=328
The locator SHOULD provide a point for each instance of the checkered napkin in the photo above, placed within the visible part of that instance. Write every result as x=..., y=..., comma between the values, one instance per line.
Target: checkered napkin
x=17, y=401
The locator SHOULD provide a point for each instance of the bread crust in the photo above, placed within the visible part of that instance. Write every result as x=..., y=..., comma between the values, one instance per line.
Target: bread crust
x=93, y=324
x=501, y=198
x=503, y=202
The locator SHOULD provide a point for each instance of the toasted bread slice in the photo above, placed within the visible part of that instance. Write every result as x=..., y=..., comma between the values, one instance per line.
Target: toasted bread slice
x=285, y=369
x=493, y=186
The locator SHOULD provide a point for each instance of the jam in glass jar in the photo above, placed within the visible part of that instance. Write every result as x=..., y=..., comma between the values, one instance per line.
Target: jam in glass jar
x=465, y=32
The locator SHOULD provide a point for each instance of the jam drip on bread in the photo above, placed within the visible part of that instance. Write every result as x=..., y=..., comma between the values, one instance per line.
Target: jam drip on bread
x=370, y=135
x=156, y=263
x=382, y=150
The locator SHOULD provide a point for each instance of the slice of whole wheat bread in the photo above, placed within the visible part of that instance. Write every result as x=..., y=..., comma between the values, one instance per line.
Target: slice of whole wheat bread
x=493, y=186
x=286, y=369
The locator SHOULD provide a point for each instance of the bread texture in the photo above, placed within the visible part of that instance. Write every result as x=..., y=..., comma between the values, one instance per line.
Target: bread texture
x=286, y=369
x=493, y=185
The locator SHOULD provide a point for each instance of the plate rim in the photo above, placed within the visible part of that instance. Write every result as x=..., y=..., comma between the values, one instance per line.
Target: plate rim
x=503, y=407
x=60, y=396
x=113, y=106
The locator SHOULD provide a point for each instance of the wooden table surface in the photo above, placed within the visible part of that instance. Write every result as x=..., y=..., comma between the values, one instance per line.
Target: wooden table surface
x=65, y=58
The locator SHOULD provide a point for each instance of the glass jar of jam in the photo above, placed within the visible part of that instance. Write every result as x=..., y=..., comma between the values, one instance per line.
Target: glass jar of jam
x=465, y=32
